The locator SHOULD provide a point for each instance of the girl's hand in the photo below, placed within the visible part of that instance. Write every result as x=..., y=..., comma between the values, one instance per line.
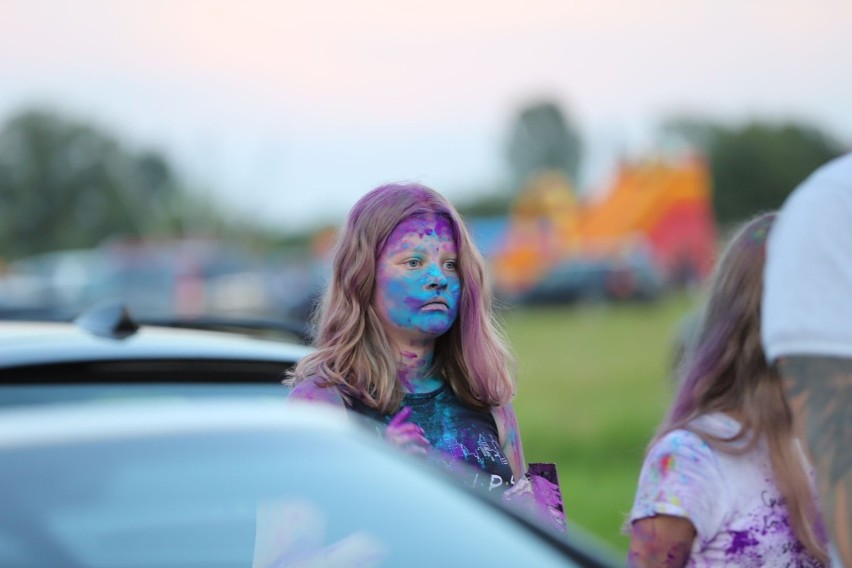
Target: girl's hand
x=539, y=497
x=406, y=435
x=520, y=490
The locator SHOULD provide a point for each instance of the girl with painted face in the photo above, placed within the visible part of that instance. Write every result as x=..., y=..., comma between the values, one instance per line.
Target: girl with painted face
x=406, y=336
x=724, y=482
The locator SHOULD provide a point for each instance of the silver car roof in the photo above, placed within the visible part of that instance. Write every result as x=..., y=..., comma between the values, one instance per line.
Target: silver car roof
x=31, y=343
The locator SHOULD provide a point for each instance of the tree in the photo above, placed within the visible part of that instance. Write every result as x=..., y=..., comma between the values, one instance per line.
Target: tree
x=542, y=138
x=755, y=166
x=67, y=184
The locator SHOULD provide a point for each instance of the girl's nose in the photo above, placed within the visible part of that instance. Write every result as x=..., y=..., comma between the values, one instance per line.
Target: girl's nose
x=436, y=279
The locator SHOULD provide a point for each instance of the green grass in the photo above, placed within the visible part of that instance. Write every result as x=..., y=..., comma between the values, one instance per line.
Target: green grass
x=594, y=382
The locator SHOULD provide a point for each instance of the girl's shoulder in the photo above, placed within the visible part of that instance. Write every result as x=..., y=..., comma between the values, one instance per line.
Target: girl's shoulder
x=685, y=454
x=717, y=424
x=689, y=439
x=680, y=443
x=681, y=477
x=316, y=389
x=504, y=418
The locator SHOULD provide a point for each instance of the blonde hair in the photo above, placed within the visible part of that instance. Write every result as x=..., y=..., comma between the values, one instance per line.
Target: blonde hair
x=726, y=371
x=353, y=352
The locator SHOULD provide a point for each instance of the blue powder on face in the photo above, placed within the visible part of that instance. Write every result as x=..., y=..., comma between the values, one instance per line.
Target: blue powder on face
x=405, y=291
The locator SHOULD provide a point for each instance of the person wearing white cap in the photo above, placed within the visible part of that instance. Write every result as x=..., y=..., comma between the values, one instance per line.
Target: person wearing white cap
x=807, y=332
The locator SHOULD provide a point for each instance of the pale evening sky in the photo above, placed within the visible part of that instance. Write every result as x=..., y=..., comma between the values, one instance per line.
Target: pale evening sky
x=289, y=111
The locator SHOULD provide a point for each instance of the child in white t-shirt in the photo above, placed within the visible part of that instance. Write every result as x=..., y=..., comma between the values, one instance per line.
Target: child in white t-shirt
x=724, y=482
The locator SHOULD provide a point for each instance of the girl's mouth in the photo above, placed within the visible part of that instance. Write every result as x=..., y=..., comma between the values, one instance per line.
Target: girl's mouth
x=436, y=305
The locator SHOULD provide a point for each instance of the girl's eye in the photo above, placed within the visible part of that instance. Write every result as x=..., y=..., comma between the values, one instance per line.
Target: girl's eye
x=451, y=264
x=413, y=262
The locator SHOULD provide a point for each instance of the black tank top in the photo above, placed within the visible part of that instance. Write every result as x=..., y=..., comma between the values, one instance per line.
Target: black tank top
x=459, y=432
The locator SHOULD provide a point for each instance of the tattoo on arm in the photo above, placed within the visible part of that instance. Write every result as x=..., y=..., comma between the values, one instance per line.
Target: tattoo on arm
x=820, y=389
x=820, y=393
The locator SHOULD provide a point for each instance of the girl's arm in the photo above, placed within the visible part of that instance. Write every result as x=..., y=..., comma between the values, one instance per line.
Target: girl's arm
x=662, y=541
x=679, y=495
x=310, y=390
x=538, y=495
x=510, y=438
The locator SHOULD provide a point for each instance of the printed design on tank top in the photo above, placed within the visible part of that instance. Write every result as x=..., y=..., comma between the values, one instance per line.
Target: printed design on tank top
x=460, y=434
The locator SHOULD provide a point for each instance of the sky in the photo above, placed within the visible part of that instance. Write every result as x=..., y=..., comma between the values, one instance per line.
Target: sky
x=287, y=112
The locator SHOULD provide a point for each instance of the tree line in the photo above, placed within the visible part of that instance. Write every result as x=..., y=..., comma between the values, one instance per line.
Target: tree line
x=66, y=183
x=753, y=165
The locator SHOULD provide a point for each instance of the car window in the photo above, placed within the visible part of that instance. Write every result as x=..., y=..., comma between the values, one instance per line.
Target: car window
x=135, y=379
x=231, y=499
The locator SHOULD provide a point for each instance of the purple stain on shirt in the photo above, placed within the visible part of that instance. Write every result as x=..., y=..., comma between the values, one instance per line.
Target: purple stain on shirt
x=740, y=541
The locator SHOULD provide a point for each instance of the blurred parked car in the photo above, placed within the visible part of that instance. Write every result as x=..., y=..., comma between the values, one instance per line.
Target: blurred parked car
x=177, y=278
x=128, y=444
x=633, y=278
x=225, y=483
x=50, y=282
x=182, y=277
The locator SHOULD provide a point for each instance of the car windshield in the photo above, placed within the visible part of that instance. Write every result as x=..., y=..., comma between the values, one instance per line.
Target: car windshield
x=230, y=499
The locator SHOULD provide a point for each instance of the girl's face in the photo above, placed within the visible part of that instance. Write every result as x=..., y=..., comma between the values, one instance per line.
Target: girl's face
x=417, y=281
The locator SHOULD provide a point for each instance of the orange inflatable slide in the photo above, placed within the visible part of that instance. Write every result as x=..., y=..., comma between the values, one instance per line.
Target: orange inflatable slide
x=659, y=209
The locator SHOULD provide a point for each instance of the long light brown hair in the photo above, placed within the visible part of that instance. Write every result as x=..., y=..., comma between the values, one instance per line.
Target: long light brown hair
x=725, y=370
x=353, y=352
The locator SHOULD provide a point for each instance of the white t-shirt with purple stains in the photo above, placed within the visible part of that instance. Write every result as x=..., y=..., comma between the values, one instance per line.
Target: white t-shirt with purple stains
x=733, y=501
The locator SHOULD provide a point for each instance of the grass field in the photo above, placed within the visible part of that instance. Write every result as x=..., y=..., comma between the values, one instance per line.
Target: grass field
x=594, y=382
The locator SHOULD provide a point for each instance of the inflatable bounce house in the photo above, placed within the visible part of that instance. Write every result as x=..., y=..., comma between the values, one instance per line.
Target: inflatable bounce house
x=651, y=230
